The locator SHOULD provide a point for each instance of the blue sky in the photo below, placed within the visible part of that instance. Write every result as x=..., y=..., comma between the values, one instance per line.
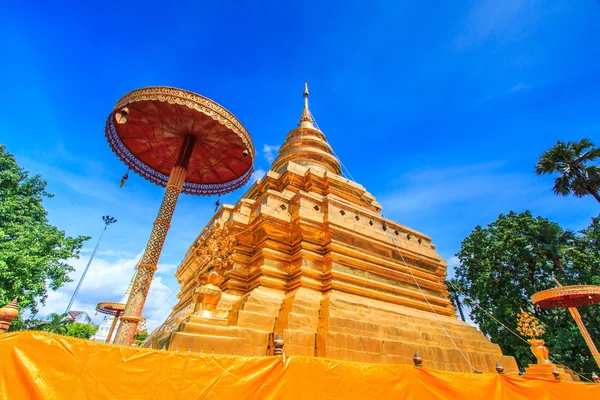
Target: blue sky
x=440, y=109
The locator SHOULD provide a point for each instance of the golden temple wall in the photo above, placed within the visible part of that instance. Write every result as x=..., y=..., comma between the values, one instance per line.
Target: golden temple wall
x=316, y=262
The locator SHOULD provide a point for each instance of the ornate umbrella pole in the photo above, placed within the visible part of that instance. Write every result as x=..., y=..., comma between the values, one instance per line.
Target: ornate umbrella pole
x=147, y=265
x=112, y=326
x=584, y=332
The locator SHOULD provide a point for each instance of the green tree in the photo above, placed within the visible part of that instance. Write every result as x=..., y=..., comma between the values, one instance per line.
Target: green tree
x=552, y=241
x=572, y=161
x=56, y=323
x=140, y=336
x=84, y=331
x=503, y=264
x=30, y=324
x=33, y=253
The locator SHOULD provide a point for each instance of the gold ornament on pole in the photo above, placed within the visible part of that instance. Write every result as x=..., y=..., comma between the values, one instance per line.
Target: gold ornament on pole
x=529, y=326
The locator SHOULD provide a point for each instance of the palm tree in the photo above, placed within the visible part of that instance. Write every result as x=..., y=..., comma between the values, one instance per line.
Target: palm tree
x=56, y=323
x=551, y=241
x=571, y=160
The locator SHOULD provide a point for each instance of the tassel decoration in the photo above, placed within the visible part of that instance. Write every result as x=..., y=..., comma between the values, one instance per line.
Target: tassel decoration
x=124, y=178
x=217, y=204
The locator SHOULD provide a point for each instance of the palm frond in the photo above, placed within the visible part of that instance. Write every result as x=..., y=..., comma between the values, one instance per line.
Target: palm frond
x=580, y=146
x=562, y=186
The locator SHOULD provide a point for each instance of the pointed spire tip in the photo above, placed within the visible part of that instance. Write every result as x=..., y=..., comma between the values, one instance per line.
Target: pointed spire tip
x=306, y=120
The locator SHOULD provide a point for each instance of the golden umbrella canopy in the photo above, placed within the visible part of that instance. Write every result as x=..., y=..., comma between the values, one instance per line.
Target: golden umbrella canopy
x=571, y=297
x=567, y=296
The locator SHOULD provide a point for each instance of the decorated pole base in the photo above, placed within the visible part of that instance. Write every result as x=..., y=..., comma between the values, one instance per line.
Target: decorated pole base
x=551, y=371
x=544, y=368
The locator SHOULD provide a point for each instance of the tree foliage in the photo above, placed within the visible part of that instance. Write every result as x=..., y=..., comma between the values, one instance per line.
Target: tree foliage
x=56, y=323
x=84, y=331
x=517, y=255
x=33, y=253
x=140, y=336
x=573, y=162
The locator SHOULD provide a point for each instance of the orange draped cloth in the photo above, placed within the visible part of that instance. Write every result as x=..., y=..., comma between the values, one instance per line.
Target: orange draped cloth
x=38, y=365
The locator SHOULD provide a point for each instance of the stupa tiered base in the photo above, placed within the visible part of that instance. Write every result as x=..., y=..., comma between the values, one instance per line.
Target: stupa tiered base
x=316, y=262
x=330, y=284
x=545, y=371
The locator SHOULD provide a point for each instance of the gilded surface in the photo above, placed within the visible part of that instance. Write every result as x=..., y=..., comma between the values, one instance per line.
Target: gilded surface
x=315, y=262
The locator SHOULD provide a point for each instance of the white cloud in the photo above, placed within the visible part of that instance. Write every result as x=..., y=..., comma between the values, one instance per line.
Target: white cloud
x=166, y=267
x=518, y=87
x=494, y=19
x=87, y=251
x=431, y=189
x=257, y=174
x=108, y=281
x=270, y=151
x=453, y=262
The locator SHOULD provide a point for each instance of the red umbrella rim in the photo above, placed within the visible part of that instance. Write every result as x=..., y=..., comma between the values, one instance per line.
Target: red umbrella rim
x=567, y=296
x=110, y=308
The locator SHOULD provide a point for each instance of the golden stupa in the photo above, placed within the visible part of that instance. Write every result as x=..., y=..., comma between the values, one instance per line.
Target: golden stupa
x=306, y=254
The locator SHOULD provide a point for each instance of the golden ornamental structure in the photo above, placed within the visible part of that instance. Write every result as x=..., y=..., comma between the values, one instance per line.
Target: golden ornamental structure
x=316, y=263
x=531, y=327
x=571, y=297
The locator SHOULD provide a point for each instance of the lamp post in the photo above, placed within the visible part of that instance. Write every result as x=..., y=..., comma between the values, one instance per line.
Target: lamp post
x=107, y=221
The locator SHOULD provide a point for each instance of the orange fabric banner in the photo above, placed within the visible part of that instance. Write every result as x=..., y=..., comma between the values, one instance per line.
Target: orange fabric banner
x=44, y=366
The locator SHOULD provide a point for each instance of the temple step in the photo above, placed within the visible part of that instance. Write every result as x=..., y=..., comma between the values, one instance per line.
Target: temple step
x=206, y=343
x=205, y=329
x=196, y=319
x=248, y=319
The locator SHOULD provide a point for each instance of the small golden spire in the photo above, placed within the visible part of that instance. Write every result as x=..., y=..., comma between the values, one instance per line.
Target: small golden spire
x=306, y=120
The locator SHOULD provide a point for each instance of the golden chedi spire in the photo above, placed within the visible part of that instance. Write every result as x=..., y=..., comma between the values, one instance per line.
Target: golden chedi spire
x=306, y=120
x=306, y=145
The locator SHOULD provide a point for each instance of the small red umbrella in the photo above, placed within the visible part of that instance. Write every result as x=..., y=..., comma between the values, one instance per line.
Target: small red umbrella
x=115, y=309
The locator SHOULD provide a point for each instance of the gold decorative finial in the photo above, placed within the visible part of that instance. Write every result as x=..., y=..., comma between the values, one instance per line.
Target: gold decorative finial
x=306, y=120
